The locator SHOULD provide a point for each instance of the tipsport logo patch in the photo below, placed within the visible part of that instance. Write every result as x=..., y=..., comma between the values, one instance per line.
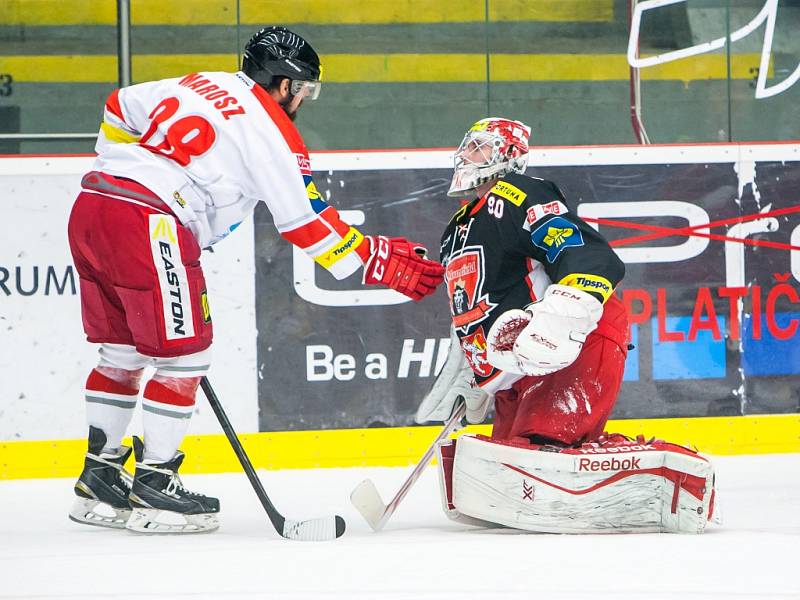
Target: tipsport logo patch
x=555, y=236
x=589, y=283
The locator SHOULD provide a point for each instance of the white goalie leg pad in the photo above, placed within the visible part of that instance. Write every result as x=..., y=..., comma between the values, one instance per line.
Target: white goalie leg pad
x=445, y=453
x=615, y=488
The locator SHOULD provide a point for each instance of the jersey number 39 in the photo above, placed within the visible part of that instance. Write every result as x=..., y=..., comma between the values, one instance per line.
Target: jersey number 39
x=184, y=138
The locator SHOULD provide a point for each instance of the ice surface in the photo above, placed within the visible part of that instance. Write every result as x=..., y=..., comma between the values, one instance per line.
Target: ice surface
x=419, y=554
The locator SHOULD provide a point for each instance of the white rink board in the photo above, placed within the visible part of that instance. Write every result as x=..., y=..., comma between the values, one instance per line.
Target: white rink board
x=44, y=359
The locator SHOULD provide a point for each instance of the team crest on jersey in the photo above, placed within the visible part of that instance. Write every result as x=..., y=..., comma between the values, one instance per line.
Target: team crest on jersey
x=474, y=346
x=465, y=279
x=555, y=236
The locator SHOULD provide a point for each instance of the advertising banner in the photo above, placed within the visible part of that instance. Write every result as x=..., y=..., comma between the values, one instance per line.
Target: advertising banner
x=710, y=237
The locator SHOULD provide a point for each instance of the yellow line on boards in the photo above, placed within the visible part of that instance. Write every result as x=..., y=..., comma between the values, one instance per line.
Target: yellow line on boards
x=316, y=12
x=388, y=68
x=386, y=447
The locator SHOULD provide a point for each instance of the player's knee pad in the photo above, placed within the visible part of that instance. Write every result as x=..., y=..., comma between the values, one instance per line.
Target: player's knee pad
x=176, y=380
x=122, y=356
x=170, y=397
x=114, y=381
x=186, y=366
x=610, y=486
x=183, y=386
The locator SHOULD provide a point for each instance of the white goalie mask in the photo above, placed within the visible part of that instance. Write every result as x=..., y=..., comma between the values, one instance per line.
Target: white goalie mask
x=490, y=149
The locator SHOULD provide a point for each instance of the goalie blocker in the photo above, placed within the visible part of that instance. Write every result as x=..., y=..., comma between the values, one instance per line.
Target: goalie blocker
x=615, y=485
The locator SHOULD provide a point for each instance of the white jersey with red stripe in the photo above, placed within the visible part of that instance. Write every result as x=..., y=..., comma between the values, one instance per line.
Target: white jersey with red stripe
x=214, y=144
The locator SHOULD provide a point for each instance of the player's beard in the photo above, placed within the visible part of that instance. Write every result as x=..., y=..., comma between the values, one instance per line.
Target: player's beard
x=292, y=114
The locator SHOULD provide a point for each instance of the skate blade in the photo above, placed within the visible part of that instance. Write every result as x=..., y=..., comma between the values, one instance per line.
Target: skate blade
x=155, y=521
x=93, y=512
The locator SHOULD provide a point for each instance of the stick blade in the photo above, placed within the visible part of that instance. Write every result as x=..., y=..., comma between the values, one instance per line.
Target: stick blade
x=368, y=502
x=314, y=530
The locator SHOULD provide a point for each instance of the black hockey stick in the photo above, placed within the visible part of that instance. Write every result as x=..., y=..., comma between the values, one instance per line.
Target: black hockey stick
x=314, y=530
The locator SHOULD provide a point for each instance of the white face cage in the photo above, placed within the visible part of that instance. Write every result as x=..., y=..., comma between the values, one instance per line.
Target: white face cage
x=479, y=159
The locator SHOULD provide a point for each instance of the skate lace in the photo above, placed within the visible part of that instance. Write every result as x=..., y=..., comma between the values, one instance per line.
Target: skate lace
x=125, y=477
x=176, y=485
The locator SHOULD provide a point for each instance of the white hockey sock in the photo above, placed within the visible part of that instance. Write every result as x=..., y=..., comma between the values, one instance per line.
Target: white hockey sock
x=167, y=408
x=110, y=404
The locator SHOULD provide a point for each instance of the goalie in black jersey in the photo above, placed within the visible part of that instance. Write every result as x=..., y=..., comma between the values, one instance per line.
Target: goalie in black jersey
x=530, y=288
x=536, y=326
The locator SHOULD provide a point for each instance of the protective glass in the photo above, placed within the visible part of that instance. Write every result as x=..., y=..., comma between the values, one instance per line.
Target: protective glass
x=307, y=89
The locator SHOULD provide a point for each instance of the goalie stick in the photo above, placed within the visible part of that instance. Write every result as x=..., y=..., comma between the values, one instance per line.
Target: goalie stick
x=311, y=530
x=368, y=501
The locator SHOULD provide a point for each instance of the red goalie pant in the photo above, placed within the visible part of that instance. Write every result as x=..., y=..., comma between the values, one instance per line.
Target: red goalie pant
x=571, y=405
x=140, y=276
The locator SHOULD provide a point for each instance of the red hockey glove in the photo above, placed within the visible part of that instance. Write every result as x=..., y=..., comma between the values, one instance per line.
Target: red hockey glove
x=401, y=265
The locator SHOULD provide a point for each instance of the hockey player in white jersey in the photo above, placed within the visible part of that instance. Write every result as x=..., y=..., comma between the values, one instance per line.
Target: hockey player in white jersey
x=181, y=162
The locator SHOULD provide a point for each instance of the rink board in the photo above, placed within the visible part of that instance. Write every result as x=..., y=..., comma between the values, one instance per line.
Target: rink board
x=275, y=313
x=397, y=446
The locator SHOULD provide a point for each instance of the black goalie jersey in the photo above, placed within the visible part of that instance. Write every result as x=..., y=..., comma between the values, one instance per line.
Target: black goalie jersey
x=501, y=251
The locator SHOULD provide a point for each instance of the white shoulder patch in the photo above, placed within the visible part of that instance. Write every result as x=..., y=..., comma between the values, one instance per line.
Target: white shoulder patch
x=539, y=211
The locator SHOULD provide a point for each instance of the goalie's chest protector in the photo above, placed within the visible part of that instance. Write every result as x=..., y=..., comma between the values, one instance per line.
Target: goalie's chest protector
x=489, y=269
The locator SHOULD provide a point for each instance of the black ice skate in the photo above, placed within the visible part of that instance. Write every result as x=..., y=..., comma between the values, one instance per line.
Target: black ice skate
x=159, y=502
x=103, y=487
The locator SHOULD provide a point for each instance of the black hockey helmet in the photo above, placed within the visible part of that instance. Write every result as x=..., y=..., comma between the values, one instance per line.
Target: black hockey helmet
x=278, y=52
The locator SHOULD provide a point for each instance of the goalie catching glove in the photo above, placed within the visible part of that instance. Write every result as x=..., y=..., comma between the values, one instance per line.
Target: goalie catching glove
x=400, y=265
x=456, y=379
x=545, y=337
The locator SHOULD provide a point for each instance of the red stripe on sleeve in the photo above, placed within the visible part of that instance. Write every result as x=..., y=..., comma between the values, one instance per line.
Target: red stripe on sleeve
x=307, y=235
x=113, y=105
x=331, y=215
